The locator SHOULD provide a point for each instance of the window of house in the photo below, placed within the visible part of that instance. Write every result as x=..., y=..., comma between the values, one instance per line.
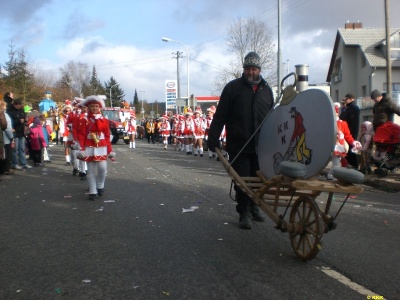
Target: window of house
x=395, y=86
x=364, y=90
x=337, y=70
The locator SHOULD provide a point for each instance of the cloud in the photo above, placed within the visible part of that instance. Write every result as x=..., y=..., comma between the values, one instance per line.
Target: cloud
x=21, y=11
x=78, y=25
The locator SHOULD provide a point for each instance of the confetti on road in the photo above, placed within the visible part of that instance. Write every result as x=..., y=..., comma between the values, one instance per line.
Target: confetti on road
x=192, y=209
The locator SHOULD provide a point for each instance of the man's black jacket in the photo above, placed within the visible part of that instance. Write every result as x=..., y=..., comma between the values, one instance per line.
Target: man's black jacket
x=241, y=110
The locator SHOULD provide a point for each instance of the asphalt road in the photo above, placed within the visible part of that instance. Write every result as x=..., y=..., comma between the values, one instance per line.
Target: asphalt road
x=136, y=242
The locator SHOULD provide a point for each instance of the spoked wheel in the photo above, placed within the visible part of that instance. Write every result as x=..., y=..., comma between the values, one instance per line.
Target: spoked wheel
x=308, y=228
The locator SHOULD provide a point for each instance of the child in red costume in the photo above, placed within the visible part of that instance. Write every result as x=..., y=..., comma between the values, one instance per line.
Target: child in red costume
x=343, y=135
x=95, y=144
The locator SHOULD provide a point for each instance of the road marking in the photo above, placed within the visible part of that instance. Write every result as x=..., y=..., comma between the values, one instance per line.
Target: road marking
x=346, y=281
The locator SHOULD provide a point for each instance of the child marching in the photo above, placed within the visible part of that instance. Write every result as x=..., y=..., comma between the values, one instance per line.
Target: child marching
x=164, y=130
x=130, y=129
x=188, y=131
x=95, y=145
x=199, y=127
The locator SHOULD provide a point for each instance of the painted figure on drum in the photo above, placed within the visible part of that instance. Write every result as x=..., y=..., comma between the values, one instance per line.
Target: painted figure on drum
x=299, y=138
x=298, y=144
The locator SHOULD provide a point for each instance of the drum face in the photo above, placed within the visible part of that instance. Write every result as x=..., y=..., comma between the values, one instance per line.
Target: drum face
x=303, y=130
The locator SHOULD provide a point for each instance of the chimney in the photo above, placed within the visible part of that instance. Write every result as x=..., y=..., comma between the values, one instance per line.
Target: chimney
x=349, y=25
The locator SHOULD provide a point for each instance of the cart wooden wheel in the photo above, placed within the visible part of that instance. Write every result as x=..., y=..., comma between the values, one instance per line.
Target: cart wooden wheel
x=308, y=228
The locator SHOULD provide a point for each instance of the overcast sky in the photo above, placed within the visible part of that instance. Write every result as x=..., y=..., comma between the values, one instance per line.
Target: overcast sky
x=122, y=38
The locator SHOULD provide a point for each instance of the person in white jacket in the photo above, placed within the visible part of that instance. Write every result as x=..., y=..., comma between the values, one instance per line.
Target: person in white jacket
x=8, y=137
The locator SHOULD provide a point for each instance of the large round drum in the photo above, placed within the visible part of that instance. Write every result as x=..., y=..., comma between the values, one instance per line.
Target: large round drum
x=303, y=130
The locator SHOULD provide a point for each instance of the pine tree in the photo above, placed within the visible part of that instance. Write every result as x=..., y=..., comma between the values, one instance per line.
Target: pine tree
x=117, y=94
x=95, y=87
x=19, y=76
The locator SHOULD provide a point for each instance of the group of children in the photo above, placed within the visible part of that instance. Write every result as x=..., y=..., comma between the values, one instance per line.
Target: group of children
x=86, y=137
x=187, y=132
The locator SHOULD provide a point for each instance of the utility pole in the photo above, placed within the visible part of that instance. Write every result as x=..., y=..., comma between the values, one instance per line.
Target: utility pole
x=177, y=57
x=388, y=56
x=279, y=53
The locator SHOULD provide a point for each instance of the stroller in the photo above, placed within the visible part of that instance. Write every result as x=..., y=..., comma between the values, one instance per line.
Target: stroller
x=387, y=152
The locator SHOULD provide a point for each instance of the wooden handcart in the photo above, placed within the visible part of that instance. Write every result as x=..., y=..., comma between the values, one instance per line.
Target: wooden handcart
x=289, y=166
x=307, y=222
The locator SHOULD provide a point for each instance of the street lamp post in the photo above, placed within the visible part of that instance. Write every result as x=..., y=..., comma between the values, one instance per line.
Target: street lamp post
x=110, y=94
x=141, y=94
x=164, y=39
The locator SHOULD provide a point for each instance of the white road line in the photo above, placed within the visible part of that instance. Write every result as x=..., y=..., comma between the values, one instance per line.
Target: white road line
x=346, y=281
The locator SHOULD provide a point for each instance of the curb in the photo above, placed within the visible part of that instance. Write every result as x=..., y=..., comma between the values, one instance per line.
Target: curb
x=390, y=182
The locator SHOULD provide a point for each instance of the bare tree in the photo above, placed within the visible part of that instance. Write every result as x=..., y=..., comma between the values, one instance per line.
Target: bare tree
x=245, y=35
x=75, y=75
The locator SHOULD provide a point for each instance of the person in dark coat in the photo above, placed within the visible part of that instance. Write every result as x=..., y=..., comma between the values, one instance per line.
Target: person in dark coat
x=8, y=98
x=243, y=105
x=18, y=119
x=383, y=105
x=351, y=114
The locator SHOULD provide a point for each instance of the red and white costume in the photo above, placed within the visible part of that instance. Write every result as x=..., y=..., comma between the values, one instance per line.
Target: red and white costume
x=208, y=120
x=188, y=126
x=343, y=134
x=94, y=137
x=130, y=126
x=175, y=126
x=95, y=146
x=65, y=129
x=199, y=127
x=130, y=129
x=179, y=131
x=188, y=131
x=165, y=129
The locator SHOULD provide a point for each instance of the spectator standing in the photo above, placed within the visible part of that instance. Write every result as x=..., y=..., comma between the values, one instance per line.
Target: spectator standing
x=8, y=99
x=244, y=104
x=383, y=104
x=3, y=126
x=150, y=127
x=7, y=139
x=18, y=119
x=366, y=139
x=351, y=114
